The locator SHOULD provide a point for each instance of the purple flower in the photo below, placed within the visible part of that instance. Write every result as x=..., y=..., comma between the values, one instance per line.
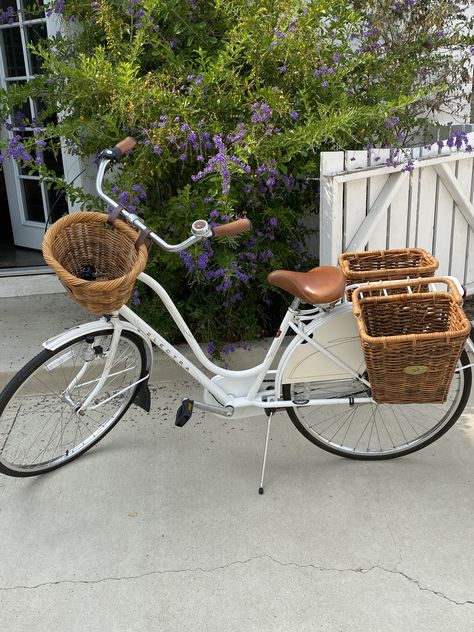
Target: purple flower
x=225, y=285
x=324, y=70
x=294, y=116
x=218, y=143
x=138, y=189
x=283, y=68
x=57, y=7
x=187, y=260
x=8, y=16
x=239, y=163
x=124, y=198
x=261, y=112
x=408, y=167
x=242, y=276
x=239, y=134
x=211, y=348
x=203, y=260
x=136, y=297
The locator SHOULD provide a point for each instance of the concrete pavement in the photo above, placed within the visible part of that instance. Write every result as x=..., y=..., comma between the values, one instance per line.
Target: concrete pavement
x=160, y=528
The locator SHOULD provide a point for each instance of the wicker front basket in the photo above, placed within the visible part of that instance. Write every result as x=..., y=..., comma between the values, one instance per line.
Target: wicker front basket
x=386, y=265
x=411, y=342
x=86, y=241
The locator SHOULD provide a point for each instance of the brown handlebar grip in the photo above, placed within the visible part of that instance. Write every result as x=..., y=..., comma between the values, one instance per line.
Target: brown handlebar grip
x=127, y=144
x=233, y=228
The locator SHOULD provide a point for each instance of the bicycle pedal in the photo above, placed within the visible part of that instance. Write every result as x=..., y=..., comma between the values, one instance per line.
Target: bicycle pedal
x=184, y=412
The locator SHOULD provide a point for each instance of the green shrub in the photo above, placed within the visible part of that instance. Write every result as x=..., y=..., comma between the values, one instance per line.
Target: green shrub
x=231, y=102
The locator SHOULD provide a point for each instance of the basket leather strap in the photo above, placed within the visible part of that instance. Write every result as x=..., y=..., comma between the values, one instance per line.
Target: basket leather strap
x=143, y=238
x=115, y=213
x=143, y=235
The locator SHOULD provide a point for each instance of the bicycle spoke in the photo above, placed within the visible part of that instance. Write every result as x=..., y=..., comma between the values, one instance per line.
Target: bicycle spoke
x=39, y=426
x=372, y=430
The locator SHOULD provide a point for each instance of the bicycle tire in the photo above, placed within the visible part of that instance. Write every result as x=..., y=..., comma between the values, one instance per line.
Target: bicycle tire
x=334, y=434
x=39, y=427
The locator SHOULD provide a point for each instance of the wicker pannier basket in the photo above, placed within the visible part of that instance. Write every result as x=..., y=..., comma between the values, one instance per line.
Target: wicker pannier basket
x=96, y=262
x=386, y=265
x=411, y=341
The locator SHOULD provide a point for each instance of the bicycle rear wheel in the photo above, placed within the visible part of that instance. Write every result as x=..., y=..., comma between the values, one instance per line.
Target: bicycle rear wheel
x=374, y=431
x=40, y=429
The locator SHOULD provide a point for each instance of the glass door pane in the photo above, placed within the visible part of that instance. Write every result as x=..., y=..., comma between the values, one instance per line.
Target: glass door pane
x=13, y=49
x=34, y=34
x=33, y=200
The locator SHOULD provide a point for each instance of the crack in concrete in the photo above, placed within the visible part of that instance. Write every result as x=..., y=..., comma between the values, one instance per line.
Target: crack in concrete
x=364, y=571
x=199, y=569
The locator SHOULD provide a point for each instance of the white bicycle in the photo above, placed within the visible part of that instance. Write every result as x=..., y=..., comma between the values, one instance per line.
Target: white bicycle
x=68, y=397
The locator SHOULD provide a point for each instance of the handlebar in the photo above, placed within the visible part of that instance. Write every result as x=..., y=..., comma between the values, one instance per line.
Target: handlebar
x=200, y=228
x=232, y=228
x=127, y=144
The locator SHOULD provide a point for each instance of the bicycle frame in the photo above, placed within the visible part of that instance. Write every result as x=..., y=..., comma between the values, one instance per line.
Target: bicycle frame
x=246, y=383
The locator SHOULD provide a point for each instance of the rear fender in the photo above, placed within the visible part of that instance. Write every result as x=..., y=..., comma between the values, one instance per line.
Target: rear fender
x=335, y=331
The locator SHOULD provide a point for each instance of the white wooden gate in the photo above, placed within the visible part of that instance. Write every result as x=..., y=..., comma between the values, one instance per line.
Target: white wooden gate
x=367, y=205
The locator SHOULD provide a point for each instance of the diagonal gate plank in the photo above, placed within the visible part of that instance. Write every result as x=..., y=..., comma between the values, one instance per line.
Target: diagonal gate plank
x=376, y=212
x=456, y=191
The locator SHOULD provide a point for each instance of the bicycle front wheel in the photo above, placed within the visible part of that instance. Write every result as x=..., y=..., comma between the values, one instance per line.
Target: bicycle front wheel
x=374, y=431
x=40, y=429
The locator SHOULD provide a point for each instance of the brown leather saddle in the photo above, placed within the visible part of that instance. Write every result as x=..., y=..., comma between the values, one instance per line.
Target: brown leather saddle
x=321, y=285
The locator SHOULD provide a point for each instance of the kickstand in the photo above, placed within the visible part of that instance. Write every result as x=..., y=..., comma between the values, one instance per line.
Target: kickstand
x=267, y=437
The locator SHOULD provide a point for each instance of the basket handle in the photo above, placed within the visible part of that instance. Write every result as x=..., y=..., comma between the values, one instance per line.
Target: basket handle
x=405, y=283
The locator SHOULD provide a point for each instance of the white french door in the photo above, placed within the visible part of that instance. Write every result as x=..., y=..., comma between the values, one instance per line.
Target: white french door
x=23, y=22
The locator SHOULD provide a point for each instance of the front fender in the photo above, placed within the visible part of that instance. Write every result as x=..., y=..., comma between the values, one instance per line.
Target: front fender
x=88, y=328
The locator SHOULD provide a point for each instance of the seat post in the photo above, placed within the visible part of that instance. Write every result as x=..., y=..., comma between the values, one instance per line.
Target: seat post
x=295, y=304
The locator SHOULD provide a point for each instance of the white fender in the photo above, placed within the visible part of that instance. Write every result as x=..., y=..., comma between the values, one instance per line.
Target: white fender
x=337, y=332
x=80, y=330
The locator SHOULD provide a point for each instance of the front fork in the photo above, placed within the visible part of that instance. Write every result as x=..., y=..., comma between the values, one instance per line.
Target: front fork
x=107, y=368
